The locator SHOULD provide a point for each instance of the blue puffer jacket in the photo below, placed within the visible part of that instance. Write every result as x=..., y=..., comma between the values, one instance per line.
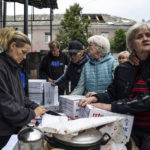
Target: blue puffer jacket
x=96, y=75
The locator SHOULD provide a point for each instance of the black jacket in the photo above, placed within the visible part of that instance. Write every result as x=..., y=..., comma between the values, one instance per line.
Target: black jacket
x=118, y=92
x=16, y=110
x=72, y=73
x=53, y=67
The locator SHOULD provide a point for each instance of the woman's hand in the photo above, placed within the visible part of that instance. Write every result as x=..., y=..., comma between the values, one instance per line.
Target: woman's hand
x=83, y=102
x=39, y=111
x=102, y=106
x=89, y=94
x=50, y=80
x=133, y=59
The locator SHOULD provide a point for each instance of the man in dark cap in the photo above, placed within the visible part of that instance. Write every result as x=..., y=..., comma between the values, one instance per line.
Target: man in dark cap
x=78, y=59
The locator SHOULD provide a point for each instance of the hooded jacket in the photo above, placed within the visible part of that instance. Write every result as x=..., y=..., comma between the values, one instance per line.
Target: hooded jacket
x=52, y=66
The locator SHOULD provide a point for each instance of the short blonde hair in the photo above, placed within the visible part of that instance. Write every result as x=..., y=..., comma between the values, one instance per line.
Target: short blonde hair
x=124, y=53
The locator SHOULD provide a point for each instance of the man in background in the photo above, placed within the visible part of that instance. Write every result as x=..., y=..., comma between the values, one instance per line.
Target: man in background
x=53, y=65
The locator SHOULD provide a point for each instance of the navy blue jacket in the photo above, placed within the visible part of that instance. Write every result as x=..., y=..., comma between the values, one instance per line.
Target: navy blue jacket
x=53, y=67
x=72, y=73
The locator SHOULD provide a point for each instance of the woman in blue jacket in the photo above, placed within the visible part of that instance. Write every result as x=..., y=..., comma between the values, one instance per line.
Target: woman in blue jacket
x=98, y=72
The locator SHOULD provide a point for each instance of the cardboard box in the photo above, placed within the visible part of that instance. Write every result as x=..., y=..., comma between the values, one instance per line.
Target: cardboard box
x=69, y=105
x=50, y=94
x=91, y=111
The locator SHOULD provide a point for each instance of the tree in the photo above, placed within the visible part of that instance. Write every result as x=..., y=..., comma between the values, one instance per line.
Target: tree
x=74, y=26
x=118, y=43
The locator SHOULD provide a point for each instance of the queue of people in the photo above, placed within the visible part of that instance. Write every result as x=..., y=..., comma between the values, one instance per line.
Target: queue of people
x=130, y=90
x=123, y=88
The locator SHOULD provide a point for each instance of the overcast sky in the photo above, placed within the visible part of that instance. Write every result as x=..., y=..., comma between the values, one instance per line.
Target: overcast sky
x=131, y=9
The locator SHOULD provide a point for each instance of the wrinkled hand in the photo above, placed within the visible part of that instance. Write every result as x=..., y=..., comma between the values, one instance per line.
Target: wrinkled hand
x=39, y=111
x=50, y=80
x=89, y=94
x=53, y=83
x=133, y=59
x=102, y=106
x=85, y=101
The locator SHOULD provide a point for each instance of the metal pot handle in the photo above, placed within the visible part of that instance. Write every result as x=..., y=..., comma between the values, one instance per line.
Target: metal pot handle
x=105, y=138
x=47, y=138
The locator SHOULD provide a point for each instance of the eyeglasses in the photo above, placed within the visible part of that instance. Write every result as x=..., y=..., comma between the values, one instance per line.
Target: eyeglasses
x=90, y=45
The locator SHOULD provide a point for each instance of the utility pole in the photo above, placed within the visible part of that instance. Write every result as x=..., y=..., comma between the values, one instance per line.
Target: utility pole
x=4, y=13
x=51, y=20
x=26, y=17
x=1, y=14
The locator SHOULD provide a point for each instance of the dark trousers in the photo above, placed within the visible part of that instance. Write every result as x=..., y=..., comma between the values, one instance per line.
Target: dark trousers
x=141, y=139
x=3, y=141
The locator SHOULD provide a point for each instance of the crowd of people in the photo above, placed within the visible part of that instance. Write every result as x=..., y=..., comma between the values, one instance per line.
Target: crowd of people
x=121, y=86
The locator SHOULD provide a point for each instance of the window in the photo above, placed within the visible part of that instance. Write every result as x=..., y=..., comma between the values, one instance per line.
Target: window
x=47, y=37
x=29, y=36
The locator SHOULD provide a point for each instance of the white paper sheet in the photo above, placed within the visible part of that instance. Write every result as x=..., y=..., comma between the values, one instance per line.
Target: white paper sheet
x=72, y=126
x=11, y=143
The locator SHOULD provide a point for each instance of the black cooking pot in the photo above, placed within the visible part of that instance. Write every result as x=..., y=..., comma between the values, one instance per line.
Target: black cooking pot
x=90, y=139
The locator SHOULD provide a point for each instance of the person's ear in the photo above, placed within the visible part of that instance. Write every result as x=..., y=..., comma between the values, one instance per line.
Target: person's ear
x=81, y=52
x=13, y=45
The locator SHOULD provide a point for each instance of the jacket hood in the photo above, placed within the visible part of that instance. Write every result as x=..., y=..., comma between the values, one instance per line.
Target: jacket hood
x=102, y=60
x=83, y=61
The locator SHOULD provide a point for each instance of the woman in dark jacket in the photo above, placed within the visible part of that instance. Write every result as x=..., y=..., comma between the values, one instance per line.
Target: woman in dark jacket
x=16, y=110
x=130, y=90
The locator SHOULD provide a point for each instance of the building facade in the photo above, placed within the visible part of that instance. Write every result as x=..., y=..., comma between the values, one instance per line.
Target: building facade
x=39, y=27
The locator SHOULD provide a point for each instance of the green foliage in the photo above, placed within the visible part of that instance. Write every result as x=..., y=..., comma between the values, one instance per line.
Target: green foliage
x=74, y=26
x=118, y=43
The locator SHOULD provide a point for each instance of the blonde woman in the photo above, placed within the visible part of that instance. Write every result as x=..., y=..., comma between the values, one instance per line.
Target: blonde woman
x=16, y=110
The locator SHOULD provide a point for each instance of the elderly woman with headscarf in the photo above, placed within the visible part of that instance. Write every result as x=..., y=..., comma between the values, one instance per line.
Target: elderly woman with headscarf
x=98, y=72
x=130, y=89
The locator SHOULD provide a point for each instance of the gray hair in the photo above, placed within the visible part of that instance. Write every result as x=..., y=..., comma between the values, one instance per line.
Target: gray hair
x=132, y=32
x=102, y=41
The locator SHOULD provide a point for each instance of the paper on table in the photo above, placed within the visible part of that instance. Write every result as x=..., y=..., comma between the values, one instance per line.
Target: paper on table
x=11, y=143
x=72, y=126
x=50, y=120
